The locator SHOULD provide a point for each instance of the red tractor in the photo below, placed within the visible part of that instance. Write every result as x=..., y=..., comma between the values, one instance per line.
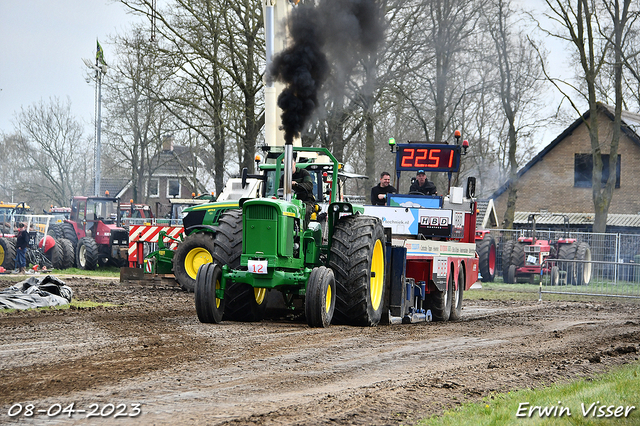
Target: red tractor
x=529, y=256
x=95, y=230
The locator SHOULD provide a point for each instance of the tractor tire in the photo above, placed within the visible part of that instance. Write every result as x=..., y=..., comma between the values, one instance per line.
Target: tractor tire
x=440, y=301
x=87, y=254
x=555, y=276
x=320, y=297
x=55, y=230
x=456, y=299
x=507, y=250
x=511, y=275
x=55, y=255
x=583, y=270
x=209, y=308
x=568, y=252
x=8, y=253
x=68, y=254
x=486, y=249
x=517, y=255
x=69, y=233
x=357, y=260
x=243, y=302
x=195, y=251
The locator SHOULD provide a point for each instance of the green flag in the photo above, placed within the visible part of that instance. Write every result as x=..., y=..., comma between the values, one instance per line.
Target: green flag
x=100, y=54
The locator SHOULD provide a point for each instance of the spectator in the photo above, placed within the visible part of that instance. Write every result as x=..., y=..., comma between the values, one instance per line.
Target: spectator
x=380, y=191
x=22, y=240
x=422, y=184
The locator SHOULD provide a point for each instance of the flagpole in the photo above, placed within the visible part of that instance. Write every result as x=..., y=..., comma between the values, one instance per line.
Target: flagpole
x=100, y=68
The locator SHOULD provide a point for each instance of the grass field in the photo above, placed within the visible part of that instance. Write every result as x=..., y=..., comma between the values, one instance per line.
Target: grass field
x=610, y=399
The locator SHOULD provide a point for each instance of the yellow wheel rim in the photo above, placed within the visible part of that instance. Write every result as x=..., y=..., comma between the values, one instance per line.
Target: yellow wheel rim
x=259, y=294
x=327, y=302
x=1, y=255
x=217, y=288
x=195, y=259
x=377, y=275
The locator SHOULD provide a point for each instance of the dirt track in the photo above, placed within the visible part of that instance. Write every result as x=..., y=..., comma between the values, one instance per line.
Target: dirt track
x=151, y=350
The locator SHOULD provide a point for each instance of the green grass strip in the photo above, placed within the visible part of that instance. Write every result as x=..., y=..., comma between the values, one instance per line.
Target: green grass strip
x=606, y=400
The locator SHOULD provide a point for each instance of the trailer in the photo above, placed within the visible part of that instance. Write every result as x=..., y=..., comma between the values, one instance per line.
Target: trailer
x=431, y=249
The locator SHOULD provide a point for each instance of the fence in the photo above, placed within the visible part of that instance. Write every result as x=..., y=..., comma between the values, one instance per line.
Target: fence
x=614, y=267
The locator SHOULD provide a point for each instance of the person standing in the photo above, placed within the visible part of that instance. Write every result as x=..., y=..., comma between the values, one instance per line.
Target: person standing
x=22, y=240
x=380, y=191
x=423, y=185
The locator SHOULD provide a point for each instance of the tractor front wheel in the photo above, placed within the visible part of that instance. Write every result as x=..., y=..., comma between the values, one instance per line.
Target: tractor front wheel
x=196, y=250
x=87, y=254
x=583, y=268
x=68, y=255
x=320, y=298
x=357, y=260
x=209, y=308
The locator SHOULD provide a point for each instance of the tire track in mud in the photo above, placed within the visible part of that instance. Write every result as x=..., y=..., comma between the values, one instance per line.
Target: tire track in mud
x=152, y=349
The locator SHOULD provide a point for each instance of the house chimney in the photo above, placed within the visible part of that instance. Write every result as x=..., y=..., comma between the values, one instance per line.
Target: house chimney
x=167, y=143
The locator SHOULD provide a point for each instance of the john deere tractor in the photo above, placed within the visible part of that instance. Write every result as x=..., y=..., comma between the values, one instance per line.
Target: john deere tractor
x=267, y=245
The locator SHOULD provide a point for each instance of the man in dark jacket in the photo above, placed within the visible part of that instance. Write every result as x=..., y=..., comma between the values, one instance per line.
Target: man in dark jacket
x=22, y=241
x=423, y=185
x=380, y=191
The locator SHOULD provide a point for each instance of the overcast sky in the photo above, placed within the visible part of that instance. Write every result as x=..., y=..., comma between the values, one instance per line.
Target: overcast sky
x=42, y=43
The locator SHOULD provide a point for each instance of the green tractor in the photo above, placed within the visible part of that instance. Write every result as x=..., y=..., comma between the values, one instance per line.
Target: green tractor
x=201, y=222
x=267, y=245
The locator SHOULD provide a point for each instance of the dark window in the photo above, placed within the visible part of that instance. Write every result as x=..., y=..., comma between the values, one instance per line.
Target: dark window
x=583, y=170
x=173, y=187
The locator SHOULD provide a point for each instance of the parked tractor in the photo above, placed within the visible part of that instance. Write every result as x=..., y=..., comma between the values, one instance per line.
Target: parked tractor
x=528, y=256
x=95, y=231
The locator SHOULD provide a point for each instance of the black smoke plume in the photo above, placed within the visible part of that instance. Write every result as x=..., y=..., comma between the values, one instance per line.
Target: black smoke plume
x=329, y=35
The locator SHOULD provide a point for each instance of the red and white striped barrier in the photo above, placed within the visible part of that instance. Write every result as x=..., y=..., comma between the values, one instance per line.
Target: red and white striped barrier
x=140, y=234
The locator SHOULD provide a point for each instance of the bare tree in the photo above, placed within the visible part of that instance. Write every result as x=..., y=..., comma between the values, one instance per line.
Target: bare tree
x=594, y=28
x=135, y=122
x=518, y=86
x=52, y=147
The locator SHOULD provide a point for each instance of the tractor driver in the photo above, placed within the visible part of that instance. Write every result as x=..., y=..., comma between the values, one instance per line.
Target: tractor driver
x=422, y=185
x=302, y=185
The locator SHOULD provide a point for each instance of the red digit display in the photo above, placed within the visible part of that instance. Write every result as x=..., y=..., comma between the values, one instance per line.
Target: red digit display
x=441, y=157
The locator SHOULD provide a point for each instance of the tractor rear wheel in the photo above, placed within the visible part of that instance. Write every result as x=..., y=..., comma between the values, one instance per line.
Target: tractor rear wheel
x=486, y=249
x=440, y=301
x=196, y=250
x=320, y=297
x=55, y=255
x=68, y=255
x=568, y=252
x=55, y=230
x=507, y=250
x=69, y=232
x=87, y=254
x=8, y=253
x=208, y=307
x=456, y=302
x=357, y=260
x=583, y=269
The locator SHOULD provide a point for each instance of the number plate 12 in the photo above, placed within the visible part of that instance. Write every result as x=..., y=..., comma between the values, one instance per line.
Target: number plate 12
x=257, y=266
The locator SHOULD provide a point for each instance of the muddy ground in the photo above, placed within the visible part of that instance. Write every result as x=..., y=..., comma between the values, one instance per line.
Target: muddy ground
x=151, y=350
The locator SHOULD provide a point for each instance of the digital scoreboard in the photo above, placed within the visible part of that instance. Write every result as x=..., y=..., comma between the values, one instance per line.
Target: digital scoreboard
x=428, y=157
